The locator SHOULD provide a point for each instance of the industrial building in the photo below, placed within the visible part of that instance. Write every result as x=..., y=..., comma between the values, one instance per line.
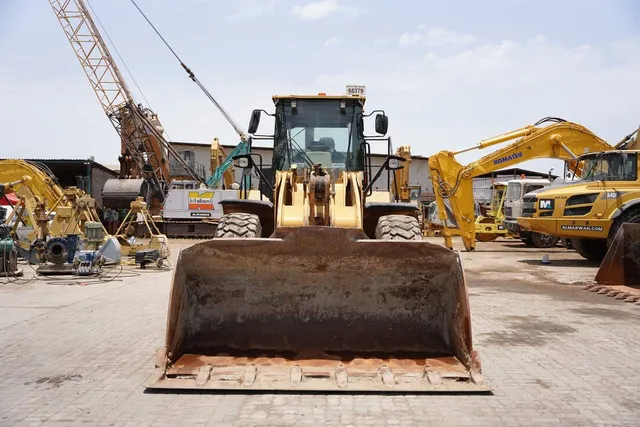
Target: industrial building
x=198, y=156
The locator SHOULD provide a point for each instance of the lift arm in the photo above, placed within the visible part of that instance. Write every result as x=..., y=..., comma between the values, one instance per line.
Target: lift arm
x=453, y=182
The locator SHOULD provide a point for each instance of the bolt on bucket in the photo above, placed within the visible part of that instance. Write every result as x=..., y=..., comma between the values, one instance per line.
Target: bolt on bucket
x=318, y=308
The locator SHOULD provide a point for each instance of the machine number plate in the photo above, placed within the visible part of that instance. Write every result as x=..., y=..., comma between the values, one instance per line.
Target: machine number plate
x=356, y=90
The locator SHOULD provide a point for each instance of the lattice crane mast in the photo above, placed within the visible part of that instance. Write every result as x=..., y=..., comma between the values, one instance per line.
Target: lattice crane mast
x=143, y=147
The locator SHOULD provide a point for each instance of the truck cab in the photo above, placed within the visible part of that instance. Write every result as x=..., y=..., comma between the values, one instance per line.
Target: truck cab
x=514, y=204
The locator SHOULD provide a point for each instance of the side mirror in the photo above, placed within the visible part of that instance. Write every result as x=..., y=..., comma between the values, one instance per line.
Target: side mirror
x=255, y=121
x=243, y=161
x=382, y=124
x=393, y=162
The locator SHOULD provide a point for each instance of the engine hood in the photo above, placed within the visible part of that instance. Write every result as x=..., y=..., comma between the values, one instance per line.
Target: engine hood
x=561, y=189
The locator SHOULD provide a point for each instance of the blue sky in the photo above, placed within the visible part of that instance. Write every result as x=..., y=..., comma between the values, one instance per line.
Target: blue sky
x=448, y=74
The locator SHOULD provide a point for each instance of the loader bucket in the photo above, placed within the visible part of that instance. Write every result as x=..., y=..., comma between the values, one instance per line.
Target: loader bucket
x=318, y=309
x=621, y=264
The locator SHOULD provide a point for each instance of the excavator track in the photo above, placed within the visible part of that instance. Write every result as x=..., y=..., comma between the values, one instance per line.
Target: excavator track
x=187, y=229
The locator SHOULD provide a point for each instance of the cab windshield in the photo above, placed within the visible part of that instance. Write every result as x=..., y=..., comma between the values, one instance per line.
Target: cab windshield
x=611, y=167
x=513, y=190
x=321, y=131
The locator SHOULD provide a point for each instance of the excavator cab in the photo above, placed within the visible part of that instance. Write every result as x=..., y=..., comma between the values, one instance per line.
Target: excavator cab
x=328, y=284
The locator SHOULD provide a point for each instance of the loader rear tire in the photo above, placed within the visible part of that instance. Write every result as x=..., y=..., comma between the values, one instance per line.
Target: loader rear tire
x=398, y=227
x=590, y=249
x=238, y=226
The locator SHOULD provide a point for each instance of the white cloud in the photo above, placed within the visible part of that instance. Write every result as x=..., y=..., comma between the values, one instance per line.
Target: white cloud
x=250, y=9
x=331, y=42
x=315, y=10
x=454, y=99
x=435, y=37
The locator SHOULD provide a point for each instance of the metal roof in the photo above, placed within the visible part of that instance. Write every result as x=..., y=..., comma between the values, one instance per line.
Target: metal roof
x=515, y=172
x=93, y=163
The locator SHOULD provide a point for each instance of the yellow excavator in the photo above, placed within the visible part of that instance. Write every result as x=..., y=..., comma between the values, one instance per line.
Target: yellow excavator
x=47, y=217
x=453, y=182
x=326, y=286
x=70, y=207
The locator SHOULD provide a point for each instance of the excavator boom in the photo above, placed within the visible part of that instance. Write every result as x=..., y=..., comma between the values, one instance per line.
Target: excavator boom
x=453, y=182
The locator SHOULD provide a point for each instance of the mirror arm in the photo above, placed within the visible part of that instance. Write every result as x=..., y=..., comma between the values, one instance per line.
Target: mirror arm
x=385, y=166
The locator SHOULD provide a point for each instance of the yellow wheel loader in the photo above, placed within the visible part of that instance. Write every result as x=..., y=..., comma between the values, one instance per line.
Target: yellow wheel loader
x=328, y=286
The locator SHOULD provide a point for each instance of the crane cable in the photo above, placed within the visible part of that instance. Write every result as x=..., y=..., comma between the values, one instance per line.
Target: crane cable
x=192, y=76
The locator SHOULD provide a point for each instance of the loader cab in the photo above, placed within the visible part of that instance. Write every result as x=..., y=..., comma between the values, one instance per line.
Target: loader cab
x=320, y=129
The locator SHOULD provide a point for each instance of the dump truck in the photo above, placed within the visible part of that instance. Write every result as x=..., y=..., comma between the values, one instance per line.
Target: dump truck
x=327, y=285
x=589, y=211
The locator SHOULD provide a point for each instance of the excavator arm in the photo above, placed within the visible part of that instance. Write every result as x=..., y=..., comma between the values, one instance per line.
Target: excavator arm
x=40, y=182
x=222, y=164
x=401, y=189
x=453, y=182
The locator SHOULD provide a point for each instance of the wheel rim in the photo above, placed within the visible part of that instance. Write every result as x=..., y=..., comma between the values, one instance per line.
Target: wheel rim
x=545, y=240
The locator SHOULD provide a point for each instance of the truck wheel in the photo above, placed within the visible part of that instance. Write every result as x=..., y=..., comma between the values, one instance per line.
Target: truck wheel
x=540, y=240
x=632, y=216
x=527, y=240
x=238, y=225
x=591, y=249
x=398, y=227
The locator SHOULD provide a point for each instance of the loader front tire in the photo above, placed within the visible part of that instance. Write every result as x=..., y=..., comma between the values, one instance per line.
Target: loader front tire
x=398, y=227
x=238, y=226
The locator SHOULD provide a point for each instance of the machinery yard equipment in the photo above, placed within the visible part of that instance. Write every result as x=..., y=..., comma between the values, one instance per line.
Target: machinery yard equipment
x=328, y=285
x=489, y=223
x=453, y=182
x=590, y=211
x=8, y=250
x=517, y=190
x=138, y=215
x=621, y=265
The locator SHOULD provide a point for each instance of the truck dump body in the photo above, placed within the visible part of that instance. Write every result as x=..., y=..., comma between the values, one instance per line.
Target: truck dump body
x=318, y=308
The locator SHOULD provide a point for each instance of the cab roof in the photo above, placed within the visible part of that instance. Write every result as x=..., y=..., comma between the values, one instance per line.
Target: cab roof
x=276, y=98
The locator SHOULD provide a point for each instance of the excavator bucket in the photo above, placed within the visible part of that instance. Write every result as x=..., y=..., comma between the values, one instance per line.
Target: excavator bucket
x=621, y=265
x=318, y=309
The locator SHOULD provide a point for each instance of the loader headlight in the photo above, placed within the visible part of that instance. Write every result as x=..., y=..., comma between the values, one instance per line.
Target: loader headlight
x=243, y=162
x=394, y=163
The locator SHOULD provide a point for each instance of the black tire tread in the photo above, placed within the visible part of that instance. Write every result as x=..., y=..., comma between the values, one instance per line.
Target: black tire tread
x=398, y=227
x=632, y=216
x=238, y=225
x=590, y=249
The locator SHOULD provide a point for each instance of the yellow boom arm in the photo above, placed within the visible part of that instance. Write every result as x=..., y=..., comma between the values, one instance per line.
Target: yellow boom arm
x=453, y=182
x=40, y=183
x=401, y=187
